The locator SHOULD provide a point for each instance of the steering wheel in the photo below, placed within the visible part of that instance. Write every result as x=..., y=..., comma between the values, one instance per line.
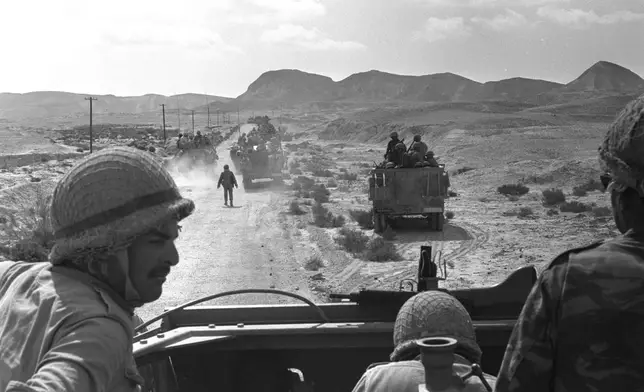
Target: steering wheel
x=319, y=310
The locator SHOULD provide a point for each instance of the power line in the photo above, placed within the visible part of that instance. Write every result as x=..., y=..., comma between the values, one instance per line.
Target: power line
x=90, y=99
x=164, y=134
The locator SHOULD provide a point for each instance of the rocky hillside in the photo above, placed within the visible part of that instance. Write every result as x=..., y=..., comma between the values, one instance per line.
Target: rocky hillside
x=291, y=86
x=57, y=103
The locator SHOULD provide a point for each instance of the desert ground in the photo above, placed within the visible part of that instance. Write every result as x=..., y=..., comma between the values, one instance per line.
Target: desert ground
x=276, y=237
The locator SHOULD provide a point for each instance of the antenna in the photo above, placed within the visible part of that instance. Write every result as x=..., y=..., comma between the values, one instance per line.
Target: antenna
x=90, y=99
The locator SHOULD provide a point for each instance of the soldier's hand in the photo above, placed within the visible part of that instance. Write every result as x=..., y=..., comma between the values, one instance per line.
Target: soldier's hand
x=218, y=186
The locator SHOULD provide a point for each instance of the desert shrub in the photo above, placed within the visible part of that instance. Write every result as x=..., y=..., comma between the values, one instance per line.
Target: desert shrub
x=331, y=183
x=525, y=212
x=27, y=234
x=380, y=250
x=553, y=196
x=295, y=171
x=303, y=183
x=574, y=206
x=363, y=218
x=348, y=176
x=287, y=137
x=322, y=173
x=449, y=214
x=324, y=218
x=579, y=191
x=320, y=194
x=602, y=211
x=295, y=208
x=462, y=170
x=552, y=212
x=314, y=263
x=352, y=240
x=513, y=189
x=590, y=185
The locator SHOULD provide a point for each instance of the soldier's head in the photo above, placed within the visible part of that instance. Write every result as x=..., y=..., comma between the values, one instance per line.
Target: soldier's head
x=621, y=157
x=115, y=215
x=416, y=138
x=430, y=154
x=394, y=135
x=226, y=167
x=180, y=135
x=433, y=314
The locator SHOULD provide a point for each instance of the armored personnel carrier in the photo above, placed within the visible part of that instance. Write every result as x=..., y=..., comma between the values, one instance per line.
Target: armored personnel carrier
x=404, y=192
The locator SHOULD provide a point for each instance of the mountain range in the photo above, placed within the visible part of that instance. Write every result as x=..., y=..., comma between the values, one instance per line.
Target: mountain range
x=290, y=87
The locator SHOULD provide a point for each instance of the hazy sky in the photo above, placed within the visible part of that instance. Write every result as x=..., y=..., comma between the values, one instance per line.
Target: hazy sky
x=132, y=47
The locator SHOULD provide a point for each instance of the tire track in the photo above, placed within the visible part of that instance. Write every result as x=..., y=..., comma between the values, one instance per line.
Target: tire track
x=350, y=279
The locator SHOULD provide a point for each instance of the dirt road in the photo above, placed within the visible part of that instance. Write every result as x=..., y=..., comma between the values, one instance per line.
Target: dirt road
x=223, y=248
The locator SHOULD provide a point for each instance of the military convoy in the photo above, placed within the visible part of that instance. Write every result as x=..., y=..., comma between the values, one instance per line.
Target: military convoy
x=329, y=346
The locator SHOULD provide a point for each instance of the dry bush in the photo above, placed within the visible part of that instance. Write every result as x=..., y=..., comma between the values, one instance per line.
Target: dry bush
x=322, y=173
x=314, y=263
x=574, y=206
x=522, y=212
x=295, y=208
x=589, y=186
x=331, y=183
x=380, y=250
x=449, y=214
x=513, y=189
x=352, y=240
x=602, y=211
x=324, y=218
x=303, y=183
x=461, y=170
x=26, y=232
x=363, y=218
x=320, y=194
x=348, y=176
x=553, y=196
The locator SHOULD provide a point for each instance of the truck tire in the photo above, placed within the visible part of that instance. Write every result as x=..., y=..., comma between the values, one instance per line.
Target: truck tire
x=379, y=223
x=440, y=221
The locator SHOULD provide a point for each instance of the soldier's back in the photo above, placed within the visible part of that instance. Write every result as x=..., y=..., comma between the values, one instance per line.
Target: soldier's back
x=599, y=318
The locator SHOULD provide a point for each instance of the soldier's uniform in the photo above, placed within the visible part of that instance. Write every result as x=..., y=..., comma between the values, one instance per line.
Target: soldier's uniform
x=580, y=328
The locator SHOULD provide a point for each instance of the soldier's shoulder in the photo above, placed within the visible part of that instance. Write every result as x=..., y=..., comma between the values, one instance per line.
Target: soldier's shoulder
x=564, y=257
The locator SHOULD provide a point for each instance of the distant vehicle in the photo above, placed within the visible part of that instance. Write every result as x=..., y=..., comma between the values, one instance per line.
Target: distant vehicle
x=418, y=191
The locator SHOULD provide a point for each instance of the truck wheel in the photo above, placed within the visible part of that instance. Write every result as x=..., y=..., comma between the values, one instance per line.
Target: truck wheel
x=440, y=221
x=377, y=223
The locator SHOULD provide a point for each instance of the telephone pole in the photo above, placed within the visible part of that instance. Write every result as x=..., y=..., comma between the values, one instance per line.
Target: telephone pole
x=208, y=116
x=91, y=145
x=164, y=134
x=179, y=119
x=193, y=122
x=217, y=117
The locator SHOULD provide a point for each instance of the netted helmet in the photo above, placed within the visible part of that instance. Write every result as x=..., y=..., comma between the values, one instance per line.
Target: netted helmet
x=621, y=154
x=430, y=314
x=416, y=138
x=430, y=153
x=226, y=167
x=394, y=135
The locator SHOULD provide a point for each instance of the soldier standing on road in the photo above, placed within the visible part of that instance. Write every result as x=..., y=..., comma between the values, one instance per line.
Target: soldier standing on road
x=67, y=325
x=581, y=326
x=228, y=180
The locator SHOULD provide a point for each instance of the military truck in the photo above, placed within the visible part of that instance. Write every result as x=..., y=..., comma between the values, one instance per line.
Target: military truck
x=402, y=192
x=191, y=155
x=324, y=345
x=258, y=164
